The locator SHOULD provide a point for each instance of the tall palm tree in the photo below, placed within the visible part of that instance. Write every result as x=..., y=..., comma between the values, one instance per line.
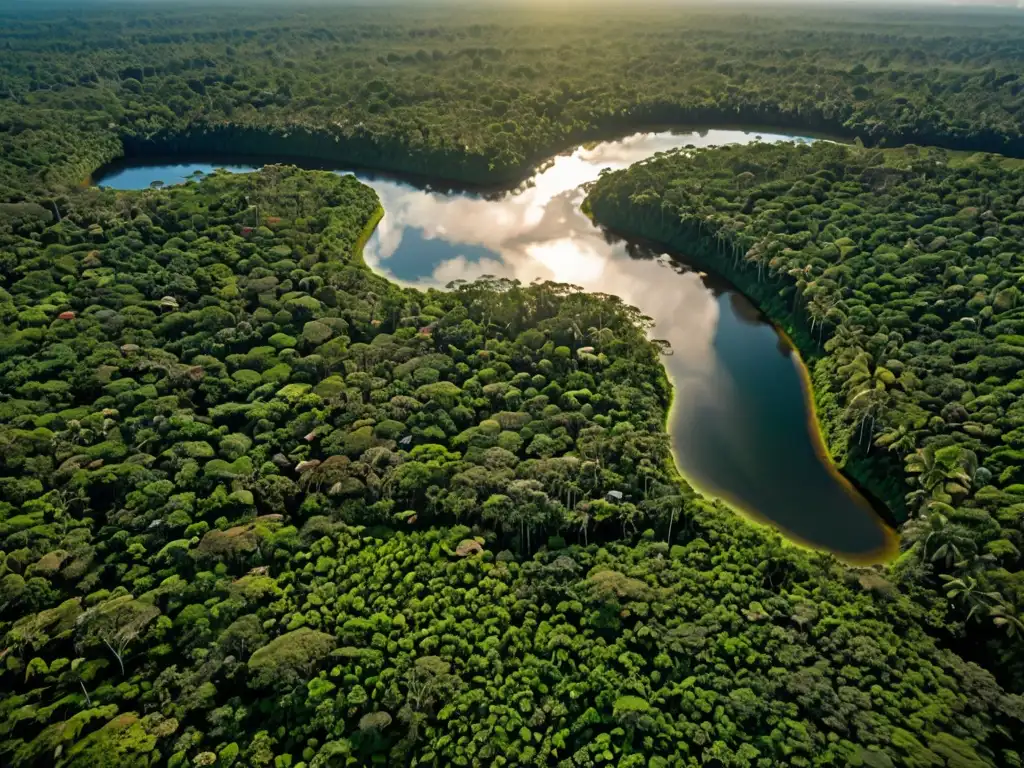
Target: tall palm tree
x=947, y=543
x=1007, y=617
x=902, y=439
x=943, y=474
x=938, y=540
x=966, y=591
x=868, y=405
x=862, y=373
x=847, y=335
x=580, y=517
x=818, y=309
x=756, y=255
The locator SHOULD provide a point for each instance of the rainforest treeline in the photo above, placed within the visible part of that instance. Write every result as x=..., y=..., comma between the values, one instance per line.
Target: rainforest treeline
x=261, y=507
x=900, y=272
x=482, y=95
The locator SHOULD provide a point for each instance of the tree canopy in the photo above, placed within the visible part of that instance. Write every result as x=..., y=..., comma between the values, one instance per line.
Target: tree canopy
x=261, y=507
x=482, y=95
x=900, y=273
x=396, y=543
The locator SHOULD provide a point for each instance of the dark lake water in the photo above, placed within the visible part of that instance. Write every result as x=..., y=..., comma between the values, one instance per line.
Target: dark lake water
x=741, y=425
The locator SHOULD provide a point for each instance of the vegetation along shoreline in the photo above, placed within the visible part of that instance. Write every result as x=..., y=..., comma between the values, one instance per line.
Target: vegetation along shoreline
x=262, y=506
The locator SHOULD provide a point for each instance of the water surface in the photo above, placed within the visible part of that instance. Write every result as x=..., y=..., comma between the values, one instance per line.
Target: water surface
x=740, y=425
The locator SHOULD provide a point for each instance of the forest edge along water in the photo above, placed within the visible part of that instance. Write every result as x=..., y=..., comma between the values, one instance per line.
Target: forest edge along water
x=743, y=422
x=430, y=238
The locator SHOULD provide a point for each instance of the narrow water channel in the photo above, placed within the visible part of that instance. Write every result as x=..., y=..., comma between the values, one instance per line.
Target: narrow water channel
x=741, y=426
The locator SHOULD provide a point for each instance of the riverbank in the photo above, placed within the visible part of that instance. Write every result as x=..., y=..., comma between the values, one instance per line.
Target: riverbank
x=830, y=436
x=485, y=169
x=426, y=232
x=365, y=235
x=854, y=488
x=461, y=169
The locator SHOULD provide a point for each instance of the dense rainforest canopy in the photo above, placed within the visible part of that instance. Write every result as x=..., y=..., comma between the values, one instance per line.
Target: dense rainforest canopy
x=261, y=507
x=901, y=271
x=480, y=95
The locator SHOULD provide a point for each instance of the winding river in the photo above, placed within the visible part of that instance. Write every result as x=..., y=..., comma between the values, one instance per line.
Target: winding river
x=741, y=425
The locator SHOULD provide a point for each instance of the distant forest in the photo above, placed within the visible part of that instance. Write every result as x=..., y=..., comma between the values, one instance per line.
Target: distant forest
x=481, y=97
x=261, y=507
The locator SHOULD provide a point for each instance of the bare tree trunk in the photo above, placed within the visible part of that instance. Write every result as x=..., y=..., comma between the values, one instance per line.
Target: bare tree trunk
x=116, y=656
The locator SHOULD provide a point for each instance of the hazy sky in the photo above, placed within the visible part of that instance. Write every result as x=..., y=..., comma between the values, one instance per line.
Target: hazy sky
x=875, y=4
x=766, y=3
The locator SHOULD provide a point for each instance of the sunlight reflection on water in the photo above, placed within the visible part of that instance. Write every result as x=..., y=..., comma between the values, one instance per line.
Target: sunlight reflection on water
x=740, y=421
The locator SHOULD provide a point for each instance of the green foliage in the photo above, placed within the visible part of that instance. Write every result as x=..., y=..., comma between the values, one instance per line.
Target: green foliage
x=236, y=484
x=123, y=740
x=898, y=270
x=479, y=95
x=178, y=516
x=289, y=658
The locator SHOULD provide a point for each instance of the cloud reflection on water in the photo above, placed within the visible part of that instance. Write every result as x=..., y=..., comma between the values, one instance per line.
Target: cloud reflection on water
x=739, y=424
x=739, y=420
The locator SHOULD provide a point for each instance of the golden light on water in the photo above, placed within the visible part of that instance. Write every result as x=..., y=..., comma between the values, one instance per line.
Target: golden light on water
x=739, y=421
x=568, y=261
